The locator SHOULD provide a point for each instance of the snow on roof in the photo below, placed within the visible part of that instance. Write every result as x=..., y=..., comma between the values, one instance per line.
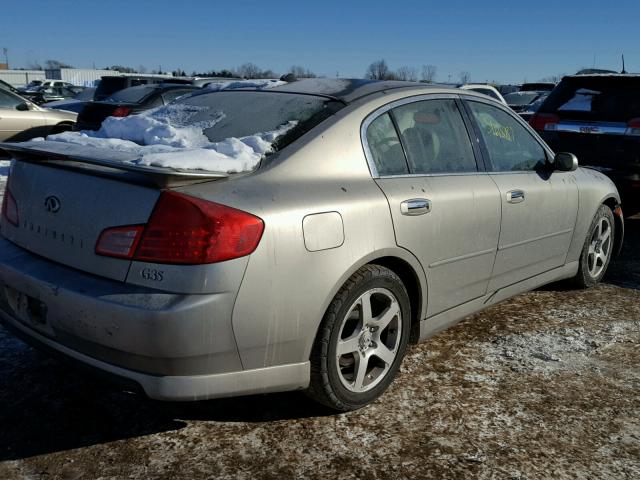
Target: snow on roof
x=166, y=137
x=258, y=84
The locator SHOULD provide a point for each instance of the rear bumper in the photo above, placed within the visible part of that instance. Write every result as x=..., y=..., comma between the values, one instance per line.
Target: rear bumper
x=176, y=388
x=175, y=346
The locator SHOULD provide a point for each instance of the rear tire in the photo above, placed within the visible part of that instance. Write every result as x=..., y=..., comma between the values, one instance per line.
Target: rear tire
x=361, y=341
x=597, y=250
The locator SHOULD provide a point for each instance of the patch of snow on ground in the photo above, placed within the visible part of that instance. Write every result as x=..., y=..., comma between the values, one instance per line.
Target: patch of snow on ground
x=166, y=137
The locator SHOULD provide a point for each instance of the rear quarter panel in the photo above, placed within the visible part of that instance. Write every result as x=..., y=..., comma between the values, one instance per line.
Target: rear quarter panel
x=287, y=288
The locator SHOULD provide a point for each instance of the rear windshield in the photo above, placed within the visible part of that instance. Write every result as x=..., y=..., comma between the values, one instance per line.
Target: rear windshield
x=132, y=95
x=110, y=85
x=244, y=113
x=521, y=98
x=596, y=98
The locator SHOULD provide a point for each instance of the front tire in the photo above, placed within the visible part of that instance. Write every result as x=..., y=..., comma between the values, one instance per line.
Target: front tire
x=597, y=250
x=362, y=340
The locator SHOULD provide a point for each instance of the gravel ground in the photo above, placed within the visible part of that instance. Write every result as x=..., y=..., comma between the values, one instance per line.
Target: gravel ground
x=544, y=386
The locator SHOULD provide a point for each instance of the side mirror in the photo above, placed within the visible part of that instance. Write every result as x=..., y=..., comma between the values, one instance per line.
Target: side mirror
x=23, y=107
x=565, y=162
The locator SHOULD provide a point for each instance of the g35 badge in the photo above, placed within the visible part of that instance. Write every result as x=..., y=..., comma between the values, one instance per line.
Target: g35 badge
x=152, y=274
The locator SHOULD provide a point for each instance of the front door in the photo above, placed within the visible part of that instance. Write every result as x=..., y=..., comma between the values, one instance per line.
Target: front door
x=539, y=206
x=444, y=210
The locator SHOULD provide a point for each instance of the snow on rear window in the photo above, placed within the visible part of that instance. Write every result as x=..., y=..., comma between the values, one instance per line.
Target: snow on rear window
x=214, y=131
x=581, y=101
x=169, y=137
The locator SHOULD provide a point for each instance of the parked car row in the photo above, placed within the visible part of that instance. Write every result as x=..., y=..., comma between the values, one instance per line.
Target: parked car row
x=52, y=106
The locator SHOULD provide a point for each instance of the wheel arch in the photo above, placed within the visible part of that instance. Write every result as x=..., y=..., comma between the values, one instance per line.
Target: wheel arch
x=61, y=127
x=402, y=263
x=613, y=203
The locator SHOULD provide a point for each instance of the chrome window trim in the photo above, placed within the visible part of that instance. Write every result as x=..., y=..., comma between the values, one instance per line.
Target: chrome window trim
x=384, y=109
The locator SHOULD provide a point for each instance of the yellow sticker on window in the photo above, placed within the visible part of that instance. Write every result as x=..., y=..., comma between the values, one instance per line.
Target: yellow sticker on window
x=505, y=133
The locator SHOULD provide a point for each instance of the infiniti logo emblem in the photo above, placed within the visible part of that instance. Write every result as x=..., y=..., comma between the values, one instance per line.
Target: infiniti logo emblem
x=52, y=204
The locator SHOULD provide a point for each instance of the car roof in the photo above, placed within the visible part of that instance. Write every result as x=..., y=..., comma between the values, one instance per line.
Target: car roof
x=160, y=86
x=605, y=75
x=346, y=90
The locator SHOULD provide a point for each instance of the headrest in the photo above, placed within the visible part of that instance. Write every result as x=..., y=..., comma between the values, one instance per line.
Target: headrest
x=426, y=118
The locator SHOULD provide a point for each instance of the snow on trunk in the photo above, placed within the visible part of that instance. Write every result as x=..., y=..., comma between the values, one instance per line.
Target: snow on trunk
x=166, y=137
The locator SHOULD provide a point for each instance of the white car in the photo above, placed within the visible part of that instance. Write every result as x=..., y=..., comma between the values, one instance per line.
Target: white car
x=36, y=85
x=487, y=90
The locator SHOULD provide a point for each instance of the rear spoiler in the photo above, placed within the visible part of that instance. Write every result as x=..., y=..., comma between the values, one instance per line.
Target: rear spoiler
x=103, y=161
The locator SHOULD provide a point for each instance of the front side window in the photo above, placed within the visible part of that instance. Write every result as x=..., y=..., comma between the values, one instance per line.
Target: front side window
x=510, y=146
x=385, y=147
x=435, y=137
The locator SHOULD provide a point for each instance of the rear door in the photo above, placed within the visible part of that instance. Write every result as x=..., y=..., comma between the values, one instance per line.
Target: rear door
x=539, y=207
x=444, y=209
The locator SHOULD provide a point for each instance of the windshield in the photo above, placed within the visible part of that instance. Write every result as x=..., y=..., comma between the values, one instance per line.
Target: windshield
x=238, y=114
x=132, y=95
x=521, y=98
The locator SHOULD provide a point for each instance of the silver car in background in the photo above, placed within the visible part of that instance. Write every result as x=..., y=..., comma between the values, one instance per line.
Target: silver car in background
x=389, y=213
x=21, y=119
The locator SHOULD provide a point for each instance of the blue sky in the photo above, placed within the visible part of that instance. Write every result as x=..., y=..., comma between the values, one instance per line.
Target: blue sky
x=493, y=40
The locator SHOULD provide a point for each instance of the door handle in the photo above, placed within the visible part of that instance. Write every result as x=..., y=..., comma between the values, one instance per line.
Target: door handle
x=515, y=196
x=415, y=206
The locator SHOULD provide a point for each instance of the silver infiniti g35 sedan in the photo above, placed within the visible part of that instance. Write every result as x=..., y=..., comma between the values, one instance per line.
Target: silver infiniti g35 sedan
x=390, y=212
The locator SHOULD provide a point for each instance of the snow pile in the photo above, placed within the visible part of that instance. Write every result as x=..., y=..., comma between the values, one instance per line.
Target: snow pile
x=238, y=84
x=168, y=125
x=166, y=137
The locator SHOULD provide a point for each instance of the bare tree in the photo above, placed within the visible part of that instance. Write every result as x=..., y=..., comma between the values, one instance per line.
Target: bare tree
x=301, y=72
x=378, y=70
x=34, y=66
x=428, y=73
x=53, y=64
x=465, y=77
x=407, y=73
x=553, y=78
x=249, y=70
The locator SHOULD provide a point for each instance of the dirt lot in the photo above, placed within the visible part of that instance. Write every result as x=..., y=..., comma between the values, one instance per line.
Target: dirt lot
x=544, y=386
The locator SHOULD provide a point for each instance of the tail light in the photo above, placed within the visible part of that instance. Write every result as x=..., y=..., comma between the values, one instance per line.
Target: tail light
x=10, y=208
x=544, y=121
x=121, y=112
x=633, y=126
x=185, y=230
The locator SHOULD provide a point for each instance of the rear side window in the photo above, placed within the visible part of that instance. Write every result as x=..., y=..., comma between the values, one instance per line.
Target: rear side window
x=603, y=98
x=385, y=147
x=510, y=146
x=435, y=137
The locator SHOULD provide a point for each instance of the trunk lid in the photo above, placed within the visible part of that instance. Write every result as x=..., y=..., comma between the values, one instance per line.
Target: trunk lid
x=66, y=195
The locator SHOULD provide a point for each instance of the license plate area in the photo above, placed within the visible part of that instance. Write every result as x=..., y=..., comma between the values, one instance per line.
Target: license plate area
x=29, y=310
